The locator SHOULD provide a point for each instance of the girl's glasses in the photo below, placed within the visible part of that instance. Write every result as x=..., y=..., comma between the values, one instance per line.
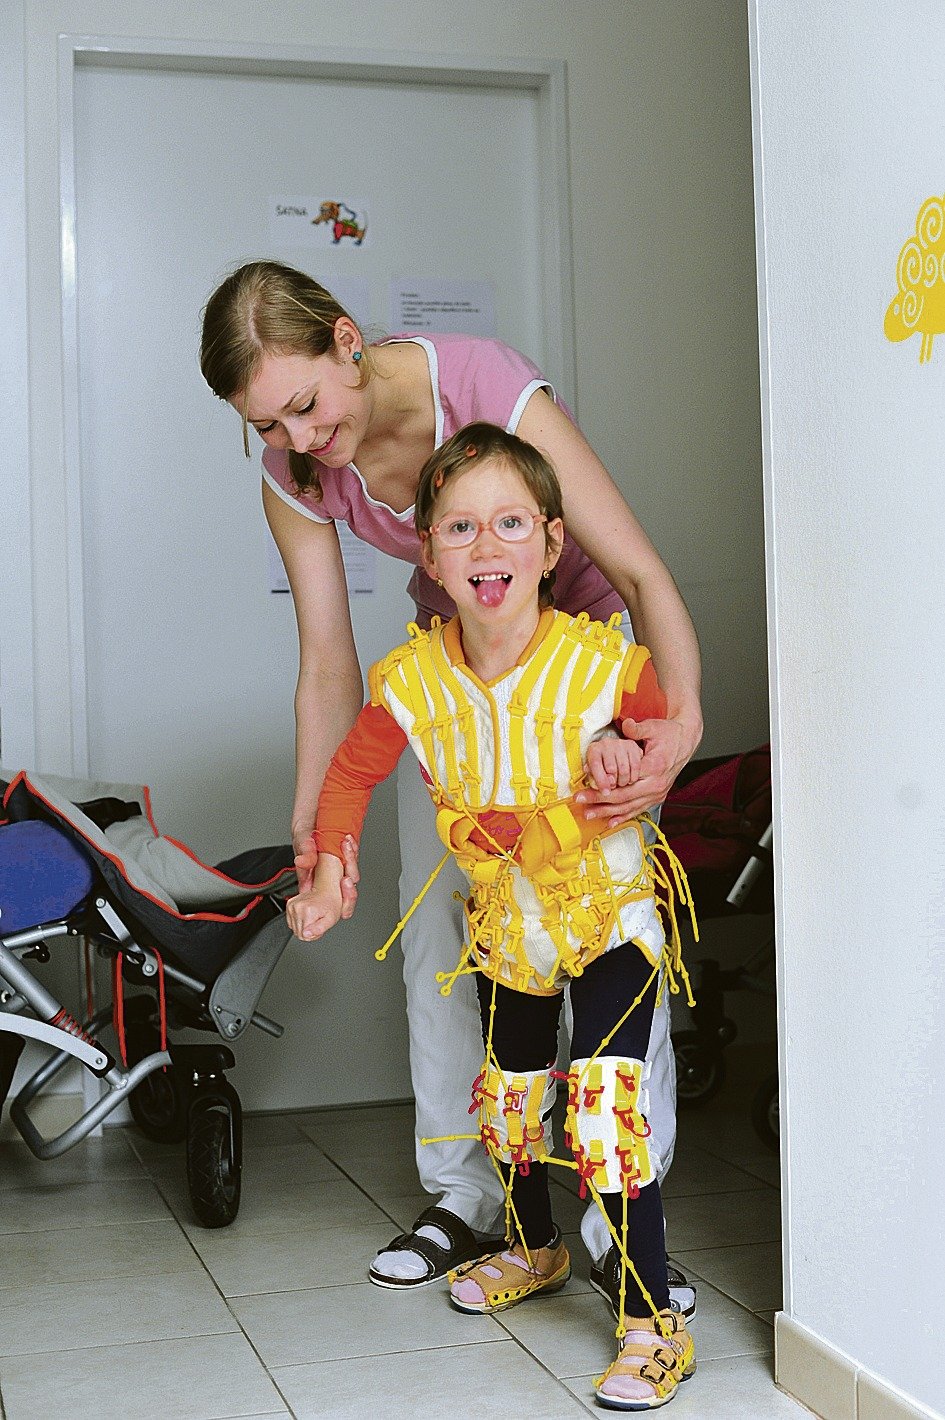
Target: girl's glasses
x=462, y=529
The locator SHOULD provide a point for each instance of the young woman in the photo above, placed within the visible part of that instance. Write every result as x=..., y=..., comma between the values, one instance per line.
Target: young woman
x=348, y=428
x=503, y=707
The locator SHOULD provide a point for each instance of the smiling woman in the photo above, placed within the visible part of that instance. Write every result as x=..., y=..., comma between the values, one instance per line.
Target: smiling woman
x=349, y=426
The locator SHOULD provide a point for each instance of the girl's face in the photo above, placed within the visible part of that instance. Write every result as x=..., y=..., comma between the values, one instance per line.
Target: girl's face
x=494, y=583
x=311, y=404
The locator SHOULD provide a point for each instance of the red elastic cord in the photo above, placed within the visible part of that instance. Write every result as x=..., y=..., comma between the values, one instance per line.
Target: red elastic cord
x=89, y=981
x=118, y=1006
x=162, y=1004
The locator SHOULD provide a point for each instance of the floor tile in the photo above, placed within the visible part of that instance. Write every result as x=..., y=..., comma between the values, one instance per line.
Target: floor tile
x=277, y=1204
x=723, y=1219
x=110, y=1312
x=243, y=1264
x=694, y=1171
x=750, y=1274
x=728, y=1136
x=134, y=1250
x=734, y=1388
x=394, y=1175
x=334, y=1323
x=203, y=1378
x=298, y=1161
x=403, y=1209
x=574, y=1334
x=101, y=1202
x=363, y=1133
x=260, y=1132
x=488, y=1382
x=106, y=1157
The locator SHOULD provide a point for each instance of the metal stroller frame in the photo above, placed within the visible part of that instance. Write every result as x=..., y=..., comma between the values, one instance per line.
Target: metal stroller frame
x=174, y=1093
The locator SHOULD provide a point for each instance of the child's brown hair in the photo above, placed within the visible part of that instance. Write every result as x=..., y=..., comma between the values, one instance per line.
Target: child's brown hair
x=470, y=445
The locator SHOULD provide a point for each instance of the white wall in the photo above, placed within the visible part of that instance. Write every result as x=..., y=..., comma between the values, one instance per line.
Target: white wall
x=850, y=108
x=663, y=279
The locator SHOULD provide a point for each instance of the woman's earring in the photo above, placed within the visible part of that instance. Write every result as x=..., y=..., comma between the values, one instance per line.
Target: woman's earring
x=356, y=356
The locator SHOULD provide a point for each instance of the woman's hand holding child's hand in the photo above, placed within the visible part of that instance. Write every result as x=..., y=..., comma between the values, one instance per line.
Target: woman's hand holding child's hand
x=316, y=910
x=667, y=745
x=613, y=763
x=306, y=859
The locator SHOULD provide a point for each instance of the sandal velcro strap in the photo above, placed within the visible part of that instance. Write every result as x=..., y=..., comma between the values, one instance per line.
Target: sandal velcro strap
x=463, y=1245
x=661, y=1362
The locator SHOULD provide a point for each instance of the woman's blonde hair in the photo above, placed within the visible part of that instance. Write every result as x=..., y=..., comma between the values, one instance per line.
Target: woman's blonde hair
x=487, y=441
x=265, y=308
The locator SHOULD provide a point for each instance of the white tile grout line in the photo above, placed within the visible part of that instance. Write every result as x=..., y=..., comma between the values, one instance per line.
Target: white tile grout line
x=226, y=1302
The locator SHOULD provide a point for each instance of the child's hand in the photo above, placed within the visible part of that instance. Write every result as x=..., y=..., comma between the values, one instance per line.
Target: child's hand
x=613, y=763
x=311, y=914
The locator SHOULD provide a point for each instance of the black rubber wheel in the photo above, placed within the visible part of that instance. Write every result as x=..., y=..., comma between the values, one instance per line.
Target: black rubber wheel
x=159, y=1104
x=766, y=1113
x=700, y=1070
x=214, y=1164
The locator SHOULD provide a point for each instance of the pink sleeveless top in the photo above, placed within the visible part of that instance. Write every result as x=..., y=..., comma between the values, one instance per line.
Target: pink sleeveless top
x=471, y=379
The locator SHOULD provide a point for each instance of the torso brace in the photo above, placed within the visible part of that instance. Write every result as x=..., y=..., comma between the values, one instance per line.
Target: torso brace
x=549, y=891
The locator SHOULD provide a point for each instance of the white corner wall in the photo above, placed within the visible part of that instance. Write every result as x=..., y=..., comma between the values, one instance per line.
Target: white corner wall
x=850, y=119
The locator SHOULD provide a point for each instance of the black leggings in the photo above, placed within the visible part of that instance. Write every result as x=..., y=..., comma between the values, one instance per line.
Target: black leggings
x=525, y=1037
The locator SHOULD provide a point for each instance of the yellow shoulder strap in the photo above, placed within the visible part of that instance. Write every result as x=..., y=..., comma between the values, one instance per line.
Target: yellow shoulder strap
x=470, y=766
x=518, y=708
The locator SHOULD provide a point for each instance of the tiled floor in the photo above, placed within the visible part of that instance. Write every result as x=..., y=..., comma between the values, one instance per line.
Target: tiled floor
x=115, y=1305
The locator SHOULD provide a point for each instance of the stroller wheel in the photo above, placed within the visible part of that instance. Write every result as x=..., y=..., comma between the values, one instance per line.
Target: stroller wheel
x=766, y=1113
x=159, y=1104
x=700, y=1070
x=214, y=1160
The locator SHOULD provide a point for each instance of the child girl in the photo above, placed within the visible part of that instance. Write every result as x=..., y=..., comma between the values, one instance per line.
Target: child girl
x=503, y=707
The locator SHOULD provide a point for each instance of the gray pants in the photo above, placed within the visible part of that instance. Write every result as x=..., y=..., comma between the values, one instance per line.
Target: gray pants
x=446, y=1038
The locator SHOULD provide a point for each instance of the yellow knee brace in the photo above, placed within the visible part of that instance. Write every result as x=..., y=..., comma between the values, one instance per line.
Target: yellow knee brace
x=513, y=1114
x=606, y=1124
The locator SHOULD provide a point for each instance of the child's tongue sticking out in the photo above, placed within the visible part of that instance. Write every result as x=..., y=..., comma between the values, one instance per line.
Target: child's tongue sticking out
x=490, y=590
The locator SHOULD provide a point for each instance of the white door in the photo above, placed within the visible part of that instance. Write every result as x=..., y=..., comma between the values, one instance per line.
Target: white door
x=190, y=658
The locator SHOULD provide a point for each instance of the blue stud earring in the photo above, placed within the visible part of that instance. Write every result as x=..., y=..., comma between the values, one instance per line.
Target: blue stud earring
x=356, y=356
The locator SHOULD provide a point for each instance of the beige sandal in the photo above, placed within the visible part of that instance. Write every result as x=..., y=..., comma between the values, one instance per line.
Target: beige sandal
x=500, y=1280
x=650, y=1367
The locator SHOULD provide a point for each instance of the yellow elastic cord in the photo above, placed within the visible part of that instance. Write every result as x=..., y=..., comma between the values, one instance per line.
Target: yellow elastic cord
x=627, y=1266
x=630, y=1009
x=381, y=952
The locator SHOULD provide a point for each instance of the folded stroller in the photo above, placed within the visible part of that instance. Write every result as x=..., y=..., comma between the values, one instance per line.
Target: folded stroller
x=85, y=860
x=717, y=818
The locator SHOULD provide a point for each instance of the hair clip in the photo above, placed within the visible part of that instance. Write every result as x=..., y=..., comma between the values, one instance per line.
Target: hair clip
x=471, y=451
x=438, y=478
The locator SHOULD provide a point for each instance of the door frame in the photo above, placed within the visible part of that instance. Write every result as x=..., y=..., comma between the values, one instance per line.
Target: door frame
x=547, y=79
x=17, y=718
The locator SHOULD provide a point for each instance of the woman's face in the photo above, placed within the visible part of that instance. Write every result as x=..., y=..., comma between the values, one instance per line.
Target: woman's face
x=312, y=404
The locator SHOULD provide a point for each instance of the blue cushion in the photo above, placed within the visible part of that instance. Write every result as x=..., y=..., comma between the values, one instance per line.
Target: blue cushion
x=43, y=875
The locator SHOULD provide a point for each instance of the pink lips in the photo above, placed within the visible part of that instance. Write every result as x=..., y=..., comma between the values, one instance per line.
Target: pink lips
x=326, y=447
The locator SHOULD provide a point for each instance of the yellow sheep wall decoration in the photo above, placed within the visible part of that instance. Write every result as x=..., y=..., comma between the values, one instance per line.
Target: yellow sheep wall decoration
x=919, y=304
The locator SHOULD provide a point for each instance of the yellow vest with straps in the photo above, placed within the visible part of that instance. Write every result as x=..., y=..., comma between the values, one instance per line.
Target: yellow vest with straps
x=565, y=890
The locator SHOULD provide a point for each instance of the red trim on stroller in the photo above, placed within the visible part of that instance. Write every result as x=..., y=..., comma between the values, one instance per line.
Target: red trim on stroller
x=235, y=882
x=23, y=778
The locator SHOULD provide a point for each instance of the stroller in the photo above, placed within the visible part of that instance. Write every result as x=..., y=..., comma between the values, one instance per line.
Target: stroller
x=85, y=861
x=717, y=818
